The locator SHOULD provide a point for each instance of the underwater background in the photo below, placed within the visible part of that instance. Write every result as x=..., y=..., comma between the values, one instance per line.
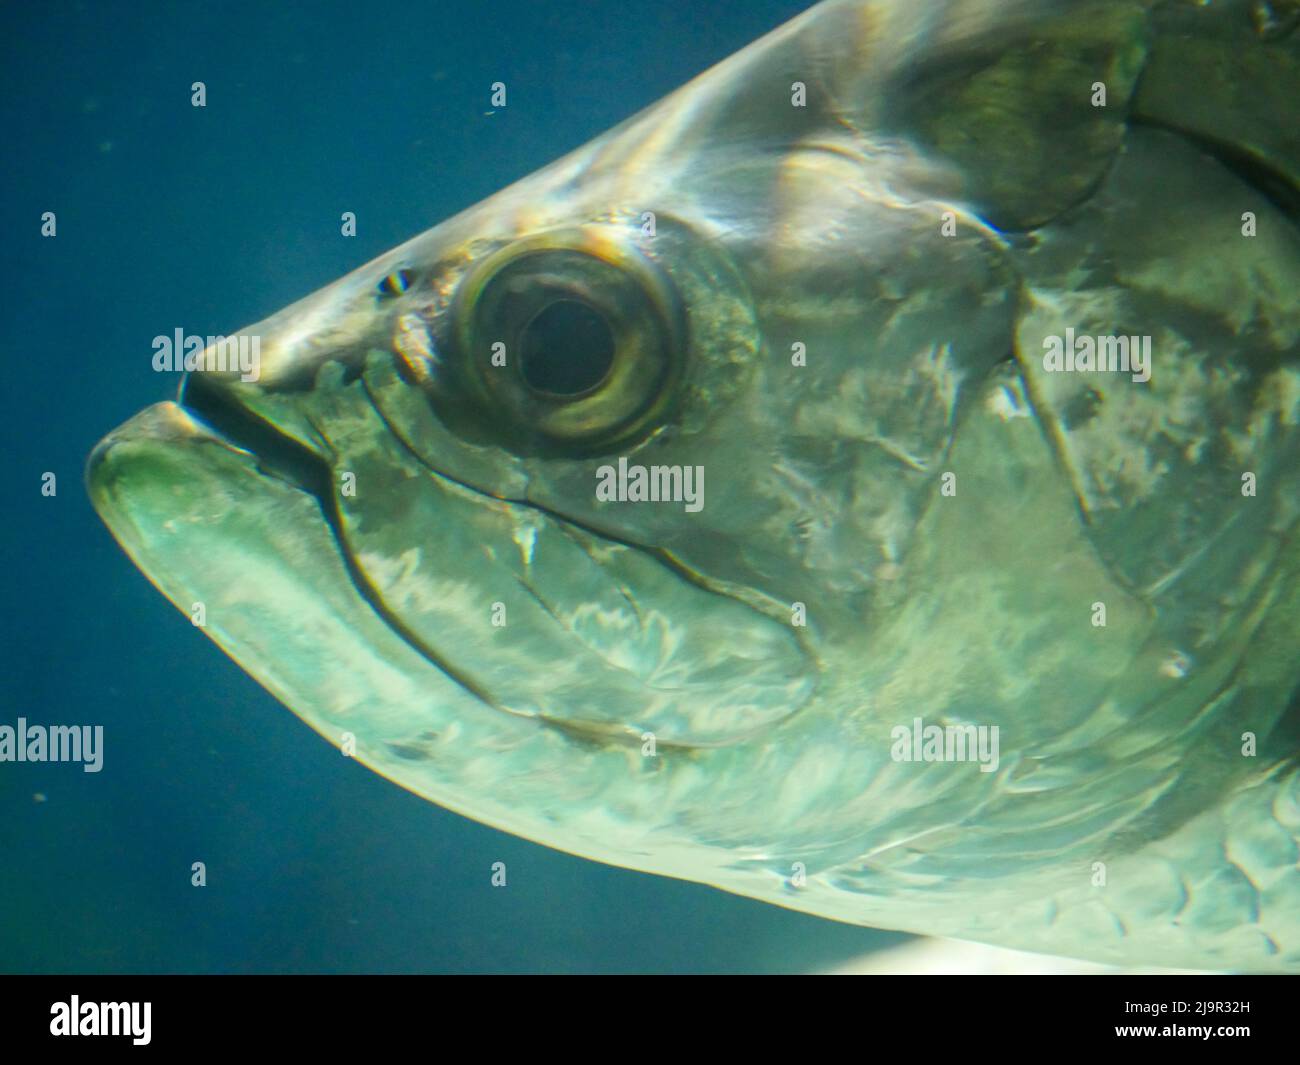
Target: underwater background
x=208, y=219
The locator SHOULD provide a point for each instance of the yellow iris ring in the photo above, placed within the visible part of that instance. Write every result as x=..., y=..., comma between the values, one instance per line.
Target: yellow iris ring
x=595, y=266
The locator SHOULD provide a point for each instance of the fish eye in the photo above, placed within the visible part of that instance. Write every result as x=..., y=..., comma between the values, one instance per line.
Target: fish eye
x=570, y=340
x=567, y=349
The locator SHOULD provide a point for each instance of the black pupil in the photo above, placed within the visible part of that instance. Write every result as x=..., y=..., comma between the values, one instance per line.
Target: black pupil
x=567, y=349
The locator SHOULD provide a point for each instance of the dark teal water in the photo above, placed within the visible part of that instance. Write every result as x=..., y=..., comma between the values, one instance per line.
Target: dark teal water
x=209, y=219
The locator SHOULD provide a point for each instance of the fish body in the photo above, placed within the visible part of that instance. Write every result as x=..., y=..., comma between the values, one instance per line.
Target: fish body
x=865, y=481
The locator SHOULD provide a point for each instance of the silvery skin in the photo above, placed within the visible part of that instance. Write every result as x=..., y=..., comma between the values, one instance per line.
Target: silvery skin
x=825, y=273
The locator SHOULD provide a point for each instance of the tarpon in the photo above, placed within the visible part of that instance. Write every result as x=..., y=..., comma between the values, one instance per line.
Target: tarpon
x=960, y=639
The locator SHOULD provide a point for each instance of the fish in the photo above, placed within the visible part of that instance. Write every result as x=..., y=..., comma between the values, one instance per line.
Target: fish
x=865, y=481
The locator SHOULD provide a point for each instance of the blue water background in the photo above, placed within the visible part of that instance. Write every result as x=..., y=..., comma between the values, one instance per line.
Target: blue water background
x=208, y=219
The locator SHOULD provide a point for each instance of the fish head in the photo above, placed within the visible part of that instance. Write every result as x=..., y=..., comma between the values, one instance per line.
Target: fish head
x=650, y=508
x=587, y=486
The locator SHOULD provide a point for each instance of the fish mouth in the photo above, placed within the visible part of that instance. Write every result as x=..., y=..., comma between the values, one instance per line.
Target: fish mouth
x=209, y=481
x=278, y=454
x=240, y=525
x=228, y=518
x=206, y=417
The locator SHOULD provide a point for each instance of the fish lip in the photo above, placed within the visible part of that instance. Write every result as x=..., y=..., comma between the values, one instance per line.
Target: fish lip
x=275, y=455
x=164, y=421
x=199, y=412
